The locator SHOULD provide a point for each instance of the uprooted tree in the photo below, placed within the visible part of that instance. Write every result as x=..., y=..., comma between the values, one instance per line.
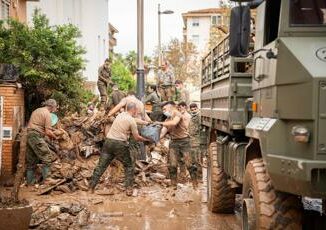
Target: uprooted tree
x=49, y=59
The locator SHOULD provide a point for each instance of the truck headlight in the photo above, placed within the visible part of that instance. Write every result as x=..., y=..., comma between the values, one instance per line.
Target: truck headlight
x=301, y=134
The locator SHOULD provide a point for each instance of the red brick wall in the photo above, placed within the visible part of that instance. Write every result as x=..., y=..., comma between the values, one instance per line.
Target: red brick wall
x=13, y=116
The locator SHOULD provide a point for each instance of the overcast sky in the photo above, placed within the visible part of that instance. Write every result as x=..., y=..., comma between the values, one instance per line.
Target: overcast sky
x=123, y=16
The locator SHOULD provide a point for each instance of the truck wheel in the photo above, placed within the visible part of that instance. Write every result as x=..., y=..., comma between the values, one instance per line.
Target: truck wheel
x=265, y=208
x=221, y=197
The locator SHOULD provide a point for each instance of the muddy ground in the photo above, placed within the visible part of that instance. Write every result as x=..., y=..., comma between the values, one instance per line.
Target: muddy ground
x=153, y=207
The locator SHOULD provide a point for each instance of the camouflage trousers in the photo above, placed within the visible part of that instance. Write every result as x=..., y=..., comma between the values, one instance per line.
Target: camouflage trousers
x=103, y=89
x=167, y=93
x=114, y=149
x=37, y=151
x=137, y=150
x=180, y=153
x=196, y=155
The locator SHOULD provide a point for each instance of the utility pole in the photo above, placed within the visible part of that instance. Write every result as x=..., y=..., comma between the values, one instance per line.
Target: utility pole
x=140, y=50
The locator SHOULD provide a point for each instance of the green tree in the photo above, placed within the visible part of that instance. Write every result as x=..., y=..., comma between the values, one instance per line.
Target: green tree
x=131, y=61
x=121, y=75
x=49, y=59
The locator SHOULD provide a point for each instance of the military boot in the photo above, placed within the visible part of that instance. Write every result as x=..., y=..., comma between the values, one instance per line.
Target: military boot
x=195, y=183
x=174, y=183
x=30, y=177
x=45, y=172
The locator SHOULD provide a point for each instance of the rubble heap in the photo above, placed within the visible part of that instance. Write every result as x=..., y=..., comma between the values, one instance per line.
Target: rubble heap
x=59, y=216
x=78, y=148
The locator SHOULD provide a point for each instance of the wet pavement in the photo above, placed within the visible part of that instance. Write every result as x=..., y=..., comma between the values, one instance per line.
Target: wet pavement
x=154, y=207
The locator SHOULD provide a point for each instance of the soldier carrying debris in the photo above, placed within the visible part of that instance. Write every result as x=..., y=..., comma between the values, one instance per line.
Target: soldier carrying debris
x=165, y=82
x=38, y=150
x=104, y=79
x=141, y=119
x=177, y=126
x=116, y=147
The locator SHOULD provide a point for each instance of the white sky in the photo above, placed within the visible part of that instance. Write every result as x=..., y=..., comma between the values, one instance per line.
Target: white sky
x=123, y=16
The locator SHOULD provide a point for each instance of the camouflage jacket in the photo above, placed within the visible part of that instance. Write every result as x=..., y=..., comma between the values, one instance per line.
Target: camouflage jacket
x=165, y=78
x=182, y=96
x=104, y=74
x=194, y=129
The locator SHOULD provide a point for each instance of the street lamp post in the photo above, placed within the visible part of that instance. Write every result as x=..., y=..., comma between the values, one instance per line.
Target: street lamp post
x=159, y=32
x=140, y=50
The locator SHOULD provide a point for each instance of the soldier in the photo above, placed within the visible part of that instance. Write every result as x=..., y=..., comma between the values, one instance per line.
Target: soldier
x=104, y=79
x=116, y=95
x=182, y=107
x=194, y=131
x=116, y=147
x=38, y=150
x=165, y=82
x=154, y=99
x=177, y=127
x=181, y=93
x=137, y=149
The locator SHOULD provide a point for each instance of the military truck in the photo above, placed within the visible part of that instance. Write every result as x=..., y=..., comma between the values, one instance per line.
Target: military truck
x=263, y=101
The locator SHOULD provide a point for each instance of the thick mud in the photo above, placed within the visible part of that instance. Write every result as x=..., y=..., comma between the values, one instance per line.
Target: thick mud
x=151, y=208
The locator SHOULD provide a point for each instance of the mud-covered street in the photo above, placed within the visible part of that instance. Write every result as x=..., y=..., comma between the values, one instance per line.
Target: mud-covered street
x=151, y=208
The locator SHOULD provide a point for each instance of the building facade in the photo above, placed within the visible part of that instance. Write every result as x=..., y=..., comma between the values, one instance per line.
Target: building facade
x=12, y=114
x=112, y=38
x=91, y=17
x=201, y=25
x=14, y=9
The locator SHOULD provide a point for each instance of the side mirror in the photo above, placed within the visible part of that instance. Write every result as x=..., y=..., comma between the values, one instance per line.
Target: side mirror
x=240, y=31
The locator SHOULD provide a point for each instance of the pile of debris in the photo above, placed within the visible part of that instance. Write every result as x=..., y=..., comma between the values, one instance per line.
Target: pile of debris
x=78, y=148
x=59, y=216
x=69, y=176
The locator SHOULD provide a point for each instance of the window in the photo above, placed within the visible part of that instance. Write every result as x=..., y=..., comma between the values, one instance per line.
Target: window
x=308, y=13
x=195, y=22
x=216, y=20
x=272, y=18
x=195, y=39
x=5, y=6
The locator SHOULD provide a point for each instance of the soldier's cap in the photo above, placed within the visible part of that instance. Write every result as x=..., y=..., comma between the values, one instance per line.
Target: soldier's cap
x=51, y=103
x=164, y=103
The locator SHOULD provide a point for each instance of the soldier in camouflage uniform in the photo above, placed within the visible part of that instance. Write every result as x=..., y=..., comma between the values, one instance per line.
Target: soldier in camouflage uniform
x=141, y=119
x=194, y=131
x=165, y=82
x=104, y=79
x=116, y=147
x=181, y=93
x=177, y=126
x=37, y=150
x=154, y=99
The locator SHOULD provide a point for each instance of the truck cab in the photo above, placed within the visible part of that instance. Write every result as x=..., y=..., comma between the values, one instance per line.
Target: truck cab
x=266, y=114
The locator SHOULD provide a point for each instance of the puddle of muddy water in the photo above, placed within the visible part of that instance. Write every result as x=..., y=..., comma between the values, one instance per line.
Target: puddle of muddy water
x=157, y=210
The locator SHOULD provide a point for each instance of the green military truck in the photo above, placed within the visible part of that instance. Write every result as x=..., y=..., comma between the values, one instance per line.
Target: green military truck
x=263, y=101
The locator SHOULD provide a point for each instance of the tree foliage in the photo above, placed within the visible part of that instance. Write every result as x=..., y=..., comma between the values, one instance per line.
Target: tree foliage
x=130, y=61
x=49, y=59
x=184, y=59
x=121, y=75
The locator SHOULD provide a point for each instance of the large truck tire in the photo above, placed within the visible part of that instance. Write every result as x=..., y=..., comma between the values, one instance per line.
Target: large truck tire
x=221, y=197
x=265, y=208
